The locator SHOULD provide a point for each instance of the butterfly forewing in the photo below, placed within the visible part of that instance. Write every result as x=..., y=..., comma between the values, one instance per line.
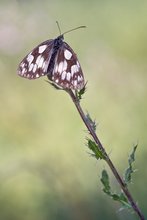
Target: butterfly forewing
x=35, y=64
x=67, y=72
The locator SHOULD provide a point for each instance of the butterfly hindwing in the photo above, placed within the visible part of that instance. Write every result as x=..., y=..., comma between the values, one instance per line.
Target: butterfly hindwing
x=67, y=73
x=35, y=64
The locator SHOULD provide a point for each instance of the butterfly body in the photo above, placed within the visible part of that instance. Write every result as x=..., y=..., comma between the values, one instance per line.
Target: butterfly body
x=57, y=43
x=55, y=59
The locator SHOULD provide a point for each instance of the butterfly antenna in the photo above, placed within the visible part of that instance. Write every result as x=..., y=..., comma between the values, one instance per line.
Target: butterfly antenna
x=58, y=27
x=74, y=29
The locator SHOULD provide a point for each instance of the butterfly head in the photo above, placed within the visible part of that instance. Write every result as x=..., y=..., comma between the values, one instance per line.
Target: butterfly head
x=59, y=40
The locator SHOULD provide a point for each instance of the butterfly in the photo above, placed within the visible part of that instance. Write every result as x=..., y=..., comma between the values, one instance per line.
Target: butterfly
x=55, y=59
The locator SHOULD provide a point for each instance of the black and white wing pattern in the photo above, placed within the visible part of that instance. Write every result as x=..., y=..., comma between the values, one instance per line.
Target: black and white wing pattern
x=35, y=64
x=57, y=60
x=67, y=72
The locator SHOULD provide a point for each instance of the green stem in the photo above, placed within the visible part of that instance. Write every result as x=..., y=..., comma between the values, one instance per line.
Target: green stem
x=107, y=159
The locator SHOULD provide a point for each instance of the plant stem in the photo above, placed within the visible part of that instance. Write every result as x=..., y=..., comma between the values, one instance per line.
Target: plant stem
x=107, y=159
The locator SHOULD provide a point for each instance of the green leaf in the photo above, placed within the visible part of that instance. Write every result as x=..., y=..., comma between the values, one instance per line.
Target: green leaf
x=97, y=153
x=122, y=199
x=107, y=189
x=132, y=155
x=90, y=121
x=129, y=171
x=105, y=182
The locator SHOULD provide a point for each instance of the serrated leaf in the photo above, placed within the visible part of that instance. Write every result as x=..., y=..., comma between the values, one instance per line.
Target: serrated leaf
x=107, y=189
x=120, y=198
x=129, y=171
x=115, y=197
x=132, y=155
x=105, y=182
x=123, y=200
x=97, y=153
x=90, y=121
x=123, y=197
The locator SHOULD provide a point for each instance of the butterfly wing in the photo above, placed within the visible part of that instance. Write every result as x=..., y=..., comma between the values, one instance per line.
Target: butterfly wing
x=67, y=72
x=35, y=64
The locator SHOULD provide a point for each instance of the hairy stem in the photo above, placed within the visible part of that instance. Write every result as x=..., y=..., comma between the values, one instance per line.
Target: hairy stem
x=107, y=159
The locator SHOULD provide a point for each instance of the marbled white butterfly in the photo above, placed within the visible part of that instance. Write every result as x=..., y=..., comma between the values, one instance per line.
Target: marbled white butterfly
x=55, y=59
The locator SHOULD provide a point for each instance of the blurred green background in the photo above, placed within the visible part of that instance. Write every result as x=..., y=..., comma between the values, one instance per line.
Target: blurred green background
x=46, y=171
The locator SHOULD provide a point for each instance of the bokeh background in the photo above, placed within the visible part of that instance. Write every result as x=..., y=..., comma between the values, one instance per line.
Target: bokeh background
x=46, y=171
